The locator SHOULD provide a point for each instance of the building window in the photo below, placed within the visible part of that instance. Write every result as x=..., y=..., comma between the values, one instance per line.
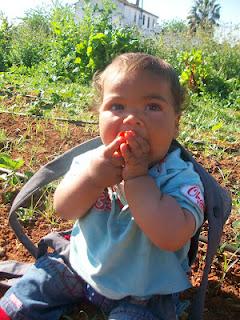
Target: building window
x=143, y=19
x=135, y=18
x=148, y=23
x=153, y=23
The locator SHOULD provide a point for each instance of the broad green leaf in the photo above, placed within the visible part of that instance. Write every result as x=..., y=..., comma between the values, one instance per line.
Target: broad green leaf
x=78, y=60
x=98, y=36
x=7, y=162
x=89, y=51
x=184, y=76
x=79, y=47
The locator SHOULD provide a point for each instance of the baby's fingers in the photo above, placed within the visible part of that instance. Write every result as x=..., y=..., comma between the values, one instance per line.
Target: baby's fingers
x=125, y=151
x=112, y=148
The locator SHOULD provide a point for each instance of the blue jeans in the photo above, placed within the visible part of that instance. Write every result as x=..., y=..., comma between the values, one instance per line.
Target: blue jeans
x=50, y=288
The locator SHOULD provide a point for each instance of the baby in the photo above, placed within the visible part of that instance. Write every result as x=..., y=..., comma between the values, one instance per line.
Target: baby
x=136, y=204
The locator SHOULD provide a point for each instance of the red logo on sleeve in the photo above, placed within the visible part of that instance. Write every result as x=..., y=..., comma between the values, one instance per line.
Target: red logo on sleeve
x=194, y=194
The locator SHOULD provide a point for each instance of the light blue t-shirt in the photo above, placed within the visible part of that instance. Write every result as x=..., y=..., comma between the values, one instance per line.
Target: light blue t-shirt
x=110, y=252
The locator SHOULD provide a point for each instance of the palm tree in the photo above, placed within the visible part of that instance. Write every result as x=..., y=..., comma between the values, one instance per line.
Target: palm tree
x=204, y=14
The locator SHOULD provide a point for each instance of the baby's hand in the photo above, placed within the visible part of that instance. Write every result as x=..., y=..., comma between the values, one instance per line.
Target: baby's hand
x=106, y=167
x=135, y=151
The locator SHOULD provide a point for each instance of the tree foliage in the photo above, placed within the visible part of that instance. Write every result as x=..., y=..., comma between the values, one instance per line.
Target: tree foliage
x=5, y=42
x=171, y=26
x=204, y=14
x=30, y=42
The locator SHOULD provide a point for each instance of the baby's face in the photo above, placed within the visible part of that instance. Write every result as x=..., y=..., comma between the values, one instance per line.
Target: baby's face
x=141, y=102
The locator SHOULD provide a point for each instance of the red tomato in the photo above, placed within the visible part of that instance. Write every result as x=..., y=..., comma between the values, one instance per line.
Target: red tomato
x=126, y=134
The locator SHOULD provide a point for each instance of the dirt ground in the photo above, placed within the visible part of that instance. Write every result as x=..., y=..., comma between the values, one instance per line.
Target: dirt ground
x=43, y=141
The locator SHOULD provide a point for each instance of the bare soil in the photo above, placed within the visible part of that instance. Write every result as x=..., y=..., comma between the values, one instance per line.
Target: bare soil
x=43, y=141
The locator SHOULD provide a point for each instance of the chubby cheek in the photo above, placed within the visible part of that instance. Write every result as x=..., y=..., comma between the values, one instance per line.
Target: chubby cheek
x=109, y=127
x=160, y=140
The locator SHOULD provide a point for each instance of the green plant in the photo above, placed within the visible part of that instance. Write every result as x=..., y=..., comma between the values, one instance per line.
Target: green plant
x=79, y=48
x=30, y=39
x=102, y=47
x=194, y=69
x=26, y=215
x=5, y=42
x=8, y=163
x=48, y=211
x=11, y=180
x=40, y=205
x=228, y=262
x=40, y=107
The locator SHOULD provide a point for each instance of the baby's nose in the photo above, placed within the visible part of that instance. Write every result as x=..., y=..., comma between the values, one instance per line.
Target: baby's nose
x=133, y=119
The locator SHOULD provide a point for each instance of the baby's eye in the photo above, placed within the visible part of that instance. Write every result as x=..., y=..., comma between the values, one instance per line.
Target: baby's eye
x=153, y=107
x=116, y=107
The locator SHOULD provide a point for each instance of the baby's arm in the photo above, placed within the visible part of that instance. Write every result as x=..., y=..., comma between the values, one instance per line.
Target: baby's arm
x=74, y=197
x=159, y=215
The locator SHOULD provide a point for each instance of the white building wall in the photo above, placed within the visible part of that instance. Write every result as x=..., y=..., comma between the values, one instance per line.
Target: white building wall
x=126, y=15
x=129, y=13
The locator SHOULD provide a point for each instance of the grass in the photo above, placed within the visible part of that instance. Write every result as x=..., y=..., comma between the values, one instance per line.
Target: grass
x=211, y=122
x=33, y=95
x=3, y=137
